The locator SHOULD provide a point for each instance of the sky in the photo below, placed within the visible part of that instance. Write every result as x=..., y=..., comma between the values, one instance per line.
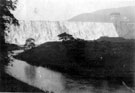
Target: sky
x=60, y=10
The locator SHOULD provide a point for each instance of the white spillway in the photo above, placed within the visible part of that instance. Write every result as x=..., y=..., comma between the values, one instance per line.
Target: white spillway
x=43, y=31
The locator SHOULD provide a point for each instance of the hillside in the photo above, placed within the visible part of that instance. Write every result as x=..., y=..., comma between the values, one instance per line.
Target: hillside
x=86, y=59
x=105, y=15
x=123, y=19
x=113, y=39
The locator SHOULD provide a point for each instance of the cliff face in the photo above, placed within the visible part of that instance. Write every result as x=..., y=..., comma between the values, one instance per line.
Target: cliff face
x=43, y=31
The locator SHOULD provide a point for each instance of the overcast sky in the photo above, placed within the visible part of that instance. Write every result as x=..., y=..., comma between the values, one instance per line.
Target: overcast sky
x=59, y=10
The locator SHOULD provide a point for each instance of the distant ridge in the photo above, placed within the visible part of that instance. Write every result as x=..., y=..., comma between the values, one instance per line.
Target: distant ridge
x=123, y=19
x=104, y=15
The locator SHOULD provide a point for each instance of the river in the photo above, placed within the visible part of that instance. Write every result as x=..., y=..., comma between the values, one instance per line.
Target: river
x=48, y=80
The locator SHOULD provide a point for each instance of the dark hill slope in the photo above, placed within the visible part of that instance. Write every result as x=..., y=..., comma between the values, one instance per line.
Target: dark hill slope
x=86, y=59
x=114, y=39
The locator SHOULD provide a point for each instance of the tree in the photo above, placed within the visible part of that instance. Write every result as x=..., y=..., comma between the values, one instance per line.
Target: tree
x=30, y=43
x=6, y=17
x=64, y=36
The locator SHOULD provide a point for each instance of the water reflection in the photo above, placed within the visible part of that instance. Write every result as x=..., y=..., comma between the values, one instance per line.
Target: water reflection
x=45, y=79
x=39, y=77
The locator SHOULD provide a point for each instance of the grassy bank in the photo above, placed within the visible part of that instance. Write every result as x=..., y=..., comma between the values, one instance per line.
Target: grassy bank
x=111, y=60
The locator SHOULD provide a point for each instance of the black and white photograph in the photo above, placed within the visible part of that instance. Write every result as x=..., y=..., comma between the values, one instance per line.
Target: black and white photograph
x=67, y=46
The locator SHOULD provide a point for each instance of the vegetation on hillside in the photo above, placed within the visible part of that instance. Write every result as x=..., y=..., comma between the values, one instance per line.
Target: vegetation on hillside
x=86, y=59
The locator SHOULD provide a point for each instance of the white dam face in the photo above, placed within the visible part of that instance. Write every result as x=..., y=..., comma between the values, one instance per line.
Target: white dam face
x=43, y=31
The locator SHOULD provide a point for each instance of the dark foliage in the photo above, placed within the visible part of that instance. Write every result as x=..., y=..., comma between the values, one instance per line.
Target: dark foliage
x=12, y=47
x=65, y=37
x=29, y=44
x=6, y=17
x=75, y=50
